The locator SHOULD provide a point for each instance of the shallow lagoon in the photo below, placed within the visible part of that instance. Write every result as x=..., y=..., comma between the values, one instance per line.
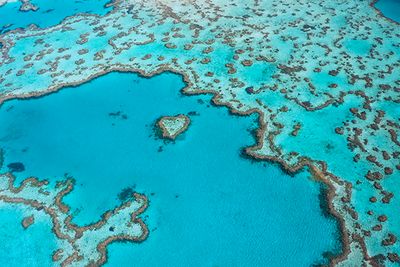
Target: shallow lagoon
x=24, y=247
x=50, y=12
x=208, y=205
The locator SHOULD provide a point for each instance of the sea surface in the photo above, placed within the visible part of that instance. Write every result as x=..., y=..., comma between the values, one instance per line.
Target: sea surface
x=25, y=247
x=389, y=8
x=50, y=12
x=209, y=206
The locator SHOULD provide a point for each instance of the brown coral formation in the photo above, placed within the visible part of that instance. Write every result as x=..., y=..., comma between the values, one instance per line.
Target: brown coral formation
x=28, y=221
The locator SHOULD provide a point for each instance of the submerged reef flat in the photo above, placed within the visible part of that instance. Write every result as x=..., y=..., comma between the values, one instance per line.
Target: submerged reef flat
x=322, y=75
x=77, y=246
x=172, y=126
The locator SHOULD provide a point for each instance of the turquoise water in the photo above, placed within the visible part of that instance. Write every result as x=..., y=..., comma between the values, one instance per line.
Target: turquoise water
x=24, y=247
x=390, y=8
x=50, y=12
x=208, y=205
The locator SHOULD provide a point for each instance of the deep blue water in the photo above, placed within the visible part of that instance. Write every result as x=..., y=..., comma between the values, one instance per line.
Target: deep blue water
x=50, y=12
x=390, y=8
x=208, y=205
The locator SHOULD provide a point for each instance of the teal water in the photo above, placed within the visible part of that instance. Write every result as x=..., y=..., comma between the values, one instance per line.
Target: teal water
x=24, y=247
x=50, y=12
x=389, y=8
x=208, y=205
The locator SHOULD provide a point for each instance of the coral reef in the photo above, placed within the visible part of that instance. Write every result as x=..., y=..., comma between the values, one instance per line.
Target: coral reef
x=172, y=126
x=78, y=245
x=323, y=77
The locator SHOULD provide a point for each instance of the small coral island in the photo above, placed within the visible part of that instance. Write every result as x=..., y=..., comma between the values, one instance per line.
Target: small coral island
x=172, y=126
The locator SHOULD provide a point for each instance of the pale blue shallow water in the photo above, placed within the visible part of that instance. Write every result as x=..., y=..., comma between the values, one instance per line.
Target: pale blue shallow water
x=208, y=205
x=24, y=247
x=390, y=8
x=50, y=12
